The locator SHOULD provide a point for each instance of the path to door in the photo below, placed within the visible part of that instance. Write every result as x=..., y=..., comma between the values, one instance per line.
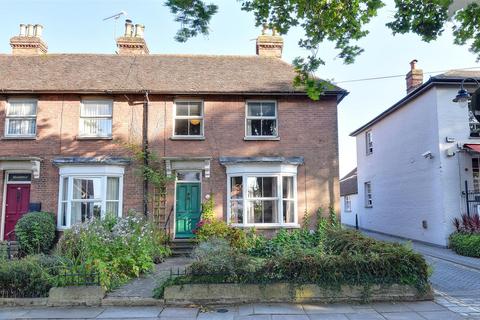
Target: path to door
x=455, y=278
x=141, y=289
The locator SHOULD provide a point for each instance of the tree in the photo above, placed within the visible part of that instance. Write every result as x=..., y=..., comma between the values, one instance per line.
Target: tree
x=339, y=21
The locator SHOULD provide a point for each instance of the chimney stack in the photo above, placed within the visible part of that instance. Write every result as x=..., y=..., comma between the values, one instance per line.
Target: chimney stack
x=414, y=77
x=269, y=45
x=132, y=42
x=29, y=41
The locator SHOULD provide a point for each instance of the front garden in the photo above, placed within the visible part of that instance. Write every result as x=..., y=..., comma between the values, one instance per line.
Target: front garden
x=329, y=257
x=466, y=239
x=106, y=252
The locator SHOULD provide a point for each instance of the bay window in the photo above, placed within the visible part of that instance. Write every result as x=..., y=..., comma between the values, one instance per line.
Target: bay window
x=262, y=199
x=21, y=118
x=83, y=196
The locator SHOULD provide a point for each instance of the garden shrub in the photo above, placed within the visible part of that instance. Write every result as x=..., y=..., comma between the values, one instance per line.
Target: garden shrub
x=465, y=244
x=467, y=223
x=215, y=228
x=117, y=248
x=35, y=232
x=342, y=263
x=31, y=277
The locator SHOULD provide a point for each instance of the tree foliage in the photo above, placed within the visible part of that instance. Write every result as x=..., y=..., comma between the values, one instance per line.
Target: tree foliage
x=341, y=22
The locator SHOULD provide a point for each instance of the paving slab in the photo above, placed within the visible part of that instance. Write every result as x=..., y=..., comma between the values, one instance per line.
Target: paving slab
x=327, y=316
x=130, y=312
x=213, y=315
x=278, y=308
x=424, y=306
x=245, y=310
x=409, y=315
x=254, y=317
x=441, y=315
x=365, y=316
x=179, y=312
x=328, y=308
x=290, y=317
x=390, y=307
x=11, y=313
x=62, y=313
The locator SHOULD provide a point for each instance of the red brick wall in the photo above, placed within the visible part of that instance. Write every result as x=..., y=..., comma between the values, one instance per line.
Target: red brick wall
x=306, y=128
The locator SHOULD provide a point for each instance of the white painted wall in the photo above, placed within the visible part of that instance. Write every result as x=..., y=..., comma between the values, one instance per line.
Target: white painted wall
x=406, y=187
x=348, y=217
x=453, y=123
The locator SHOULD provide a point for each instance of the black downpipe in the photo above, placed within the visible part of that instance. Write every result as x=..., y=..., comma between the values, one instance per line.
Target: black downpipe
x=146, y=152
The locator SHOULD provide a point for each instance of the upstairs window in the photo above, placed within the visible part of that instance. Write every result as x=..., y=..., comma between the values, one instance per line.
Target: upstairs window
x=96, y=118
x=188, y=119
x=369, y=142
x=368, y=195
x=261, y=119
x=21, y=118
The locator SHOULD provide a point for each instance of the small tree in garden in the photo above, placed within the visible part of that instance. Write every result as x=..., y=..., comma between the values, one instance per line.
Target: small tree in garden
x=35, y=232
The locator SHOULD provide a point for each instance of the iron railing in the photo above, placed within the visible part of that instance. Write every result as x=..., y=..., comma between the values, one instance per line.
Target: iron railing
x=472, y=200
x=68, y=278
x=9, y=250
x=167, y=228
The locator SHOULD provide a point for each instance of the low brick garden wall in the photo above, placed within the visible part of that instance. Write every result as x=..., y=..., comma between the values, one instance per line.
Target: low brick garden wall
x=225, y=293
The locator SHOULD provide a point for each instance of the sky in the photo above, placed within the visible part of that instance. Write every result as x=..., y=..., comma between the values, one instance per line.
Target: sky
x=78, y=27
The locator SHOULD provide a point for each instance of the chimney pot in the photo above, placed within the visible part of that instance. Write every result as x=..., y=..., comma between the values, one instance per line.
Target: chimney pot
x=128, y=28
x=30, y=30
x=23, y=30
x=414, y=77
x=38, y=30
x=139, y=30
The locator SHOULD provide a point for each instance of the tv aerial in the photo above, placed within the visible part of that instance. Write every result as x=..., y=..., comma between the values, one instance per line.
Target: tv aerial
x=116, y=17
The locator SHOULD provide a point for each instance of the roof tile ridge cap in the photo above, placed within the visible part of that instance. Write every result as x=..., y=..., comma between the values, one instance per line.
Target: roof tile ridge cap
x=201, y=55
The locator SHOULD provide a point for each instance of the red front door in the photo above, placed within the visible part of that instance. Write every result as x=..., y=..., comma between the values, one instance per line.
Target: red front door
x=16, y=205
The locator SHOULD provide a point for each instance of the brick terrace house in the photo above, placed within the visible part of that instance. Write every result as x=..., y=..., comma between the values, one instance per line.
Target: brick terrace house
x=232, y=126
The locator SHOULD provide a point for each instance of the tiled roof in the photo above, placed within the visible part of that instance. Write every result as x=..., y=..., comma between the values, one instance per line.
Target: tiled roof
x=155, y=73
x=348, y=184
x=449, y=77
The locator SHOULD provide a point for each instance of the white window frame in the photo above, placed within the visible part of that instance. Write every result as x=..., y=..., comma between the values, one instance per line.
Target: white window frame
x=347, y=203
x=81, y=118
x=279, y=198
x=88, y=172
x=247, y=117
x=368, y=142
x=8, y=118
x=201, y=118
x=368, y=194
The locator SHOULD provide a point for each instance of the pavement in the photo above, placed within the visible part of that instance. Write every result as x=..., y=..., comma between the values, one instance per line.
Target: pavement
x=426, y=310
x=455, y=279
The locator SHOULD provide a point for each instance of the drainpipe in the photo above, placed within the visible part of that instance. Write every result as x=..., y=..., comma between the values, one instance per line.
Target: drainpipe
x=145, y=152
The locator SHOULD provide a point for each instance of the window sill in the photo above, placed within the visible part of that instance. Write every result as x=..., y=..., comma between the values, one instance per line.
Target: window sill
x=93, y=138
x=187, y=138
x=268, y=226
x=261, y=138
x=19, y=138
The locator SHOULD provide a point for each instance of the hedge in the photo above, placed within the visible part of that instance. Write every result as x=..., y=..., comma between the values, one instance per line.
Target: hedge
x=466, y=244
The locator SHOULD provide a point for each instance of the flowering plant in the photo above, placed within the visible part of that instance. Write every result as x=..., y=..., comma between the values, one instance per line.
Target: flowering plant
x=117, y=248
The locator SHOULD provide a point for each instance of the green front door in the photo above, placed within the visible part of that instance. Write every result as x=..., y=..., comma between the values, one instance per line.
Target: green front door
x=188, y=209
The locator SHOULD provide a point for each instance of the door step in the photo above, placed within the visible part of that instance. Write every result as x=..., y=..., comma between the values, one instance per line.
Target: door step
x=182, y=247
